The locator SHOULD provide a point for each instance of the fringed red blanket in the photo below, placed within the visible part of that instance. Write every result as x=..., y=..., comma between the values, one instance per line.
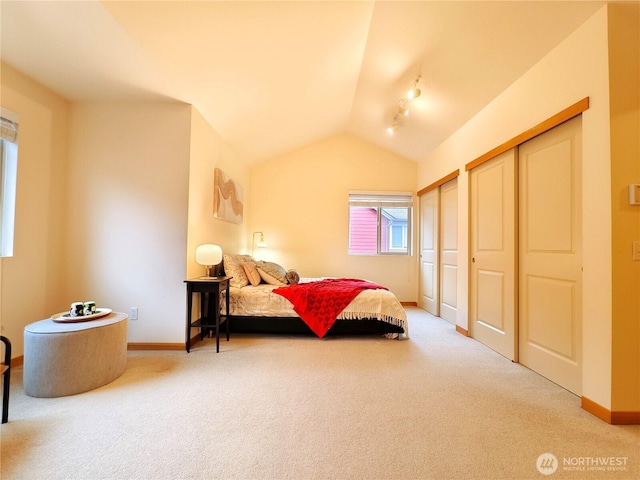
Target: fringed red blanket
x=320, y=303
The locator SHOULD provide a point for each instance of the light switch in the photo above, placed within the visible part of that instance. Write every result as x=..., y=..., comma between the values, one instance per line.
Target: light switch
x=634, y=194
x=636, y=251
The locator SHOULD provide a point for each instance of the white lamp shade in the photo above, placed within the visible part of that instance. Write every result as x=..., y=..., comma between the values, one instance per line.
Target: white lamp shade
x=208, y=254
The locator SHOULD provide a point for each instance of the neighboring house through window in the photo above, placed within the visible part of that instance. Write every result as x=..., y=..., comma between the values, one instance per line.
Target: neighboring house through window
x=380, y=223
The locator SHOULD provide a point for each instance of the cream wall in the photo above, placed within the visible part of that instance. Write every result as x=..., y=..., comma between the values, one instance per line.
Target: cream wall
x=575, y=69
x=300, y=201
x=31, y=281
x=126, y=240
x=209, y=151
x=112, y=200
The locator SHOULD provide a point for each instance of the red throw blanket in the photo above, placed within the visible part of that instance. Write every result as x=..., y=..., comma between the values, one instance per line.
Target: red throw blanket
x=320, y=303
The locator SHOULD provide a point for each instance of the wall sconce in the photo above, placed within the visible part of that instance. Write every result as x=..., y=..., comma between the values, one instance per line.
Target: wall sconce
x=210, y=256
x=261, y=243
x=403, y=107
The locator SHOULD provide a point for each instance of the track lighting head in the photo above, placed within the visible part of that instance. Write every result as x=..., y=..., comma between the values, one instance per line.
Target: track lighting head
x=414, y=91
x=403, y=107
x=396, y=122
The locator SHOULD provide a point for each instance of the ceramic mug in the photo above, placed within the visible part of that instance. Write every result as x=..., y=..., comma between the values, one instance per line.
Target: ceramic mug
x=89, y=307
x=77, y=309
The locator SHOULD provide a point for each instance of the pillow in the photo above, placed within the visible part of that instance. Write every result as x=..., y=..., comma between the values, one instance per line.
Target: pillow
x=274, y=270
x=270, y=279
x=232, y=268
x=293, y=277
x=252, y=273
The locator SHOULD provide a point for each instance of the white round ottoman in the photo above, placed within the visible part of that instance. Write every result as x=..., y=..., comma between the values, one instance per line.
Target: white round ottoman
x=67, y=358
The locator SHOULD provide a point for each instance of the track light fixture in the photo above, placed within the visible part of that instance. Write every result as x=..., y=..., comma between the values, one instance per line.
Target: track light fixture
x=395, y=124
x=403, y=106
x=414, y=91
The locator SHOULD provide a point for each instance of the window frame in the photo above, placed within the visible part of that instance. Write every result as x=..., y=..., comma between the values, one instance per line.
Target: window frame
x=8, y=180
x=379, y=201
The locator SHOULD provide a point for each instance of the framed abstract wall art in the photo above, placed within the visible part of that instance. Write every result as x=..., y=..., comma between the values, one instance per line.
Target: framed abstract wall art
x=227, y=198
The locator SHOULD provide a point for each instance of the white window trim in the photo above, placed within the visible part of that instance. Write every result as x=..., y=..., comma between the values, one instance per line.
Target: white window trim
x=8, y=179
x=380, y=200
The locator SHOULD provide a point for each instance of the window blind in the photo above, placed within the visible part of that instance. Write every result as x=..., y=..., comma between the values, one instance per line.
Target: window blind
x=8, y=126
x=380, y=199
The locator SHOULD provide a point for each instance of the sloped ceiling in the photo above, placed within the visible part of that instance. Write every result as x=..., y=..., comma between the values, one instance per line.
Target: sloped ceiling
x=273, y=76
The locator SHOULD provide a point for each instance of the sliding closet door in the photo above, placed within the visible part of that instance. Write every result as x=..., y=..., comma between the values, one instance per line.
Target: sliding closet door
x=492, y=276
x=429, y=252
x=550, y=255
x=449, y=251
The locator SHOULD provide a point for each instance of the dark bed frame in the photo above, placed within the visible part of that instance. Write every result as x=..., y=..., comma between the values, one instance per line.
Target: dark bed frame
x=296, y=326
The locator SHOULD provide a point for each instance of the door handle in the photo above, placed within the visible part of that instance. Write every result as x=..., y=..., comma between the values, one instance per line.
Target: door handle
x=473, y=259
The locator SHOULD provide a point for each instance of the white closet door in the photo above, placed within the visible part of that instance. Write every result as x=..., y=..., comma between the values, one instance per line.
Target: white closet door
x=492, y=277
x=449, y=251
x=550, y=255
x=429, y=252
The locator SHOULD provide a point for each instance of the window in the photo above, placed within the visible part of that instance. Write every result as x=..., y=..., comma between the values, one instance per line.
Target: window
x=8, y=179
x=380, y=223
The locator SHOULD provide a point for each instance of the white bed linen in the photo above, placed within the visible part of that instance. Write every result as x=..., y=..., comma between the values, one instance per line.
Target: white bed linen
x=260, y=301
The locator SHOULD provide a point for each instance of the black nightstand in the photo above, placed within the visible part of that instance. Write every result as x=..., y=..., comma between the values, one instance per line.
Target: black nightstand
x=209, y=290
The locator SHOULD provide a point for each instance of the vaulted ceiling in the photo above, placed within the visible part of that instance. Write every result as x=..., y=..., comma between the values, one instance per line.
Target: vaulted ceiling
x=273, y=76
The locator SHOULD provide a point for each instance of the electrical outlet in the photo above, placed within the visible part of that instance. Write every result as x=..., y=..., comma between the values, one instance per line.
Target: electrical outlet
x=636, y=251
x=133, y=313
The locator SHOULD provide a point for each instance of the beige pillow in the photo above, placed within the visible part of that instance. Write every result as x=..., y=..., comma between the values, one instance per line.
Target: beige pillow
x=252, y=273
x=274, y=270
x=270, y=279
x=234, y=269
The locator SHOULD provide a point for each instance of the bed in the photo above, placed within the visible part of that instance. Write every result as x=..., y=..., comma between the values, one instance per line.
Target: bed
x=261, y=295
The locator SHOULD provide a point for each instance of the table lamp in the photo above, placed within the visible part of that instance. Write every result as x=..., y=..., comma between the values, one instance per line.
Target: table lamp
x=208, y=255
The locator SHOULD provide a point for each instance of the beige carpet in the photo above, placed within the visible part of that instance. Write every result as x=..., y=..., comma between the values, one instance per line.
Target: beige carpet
x=437, y=406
